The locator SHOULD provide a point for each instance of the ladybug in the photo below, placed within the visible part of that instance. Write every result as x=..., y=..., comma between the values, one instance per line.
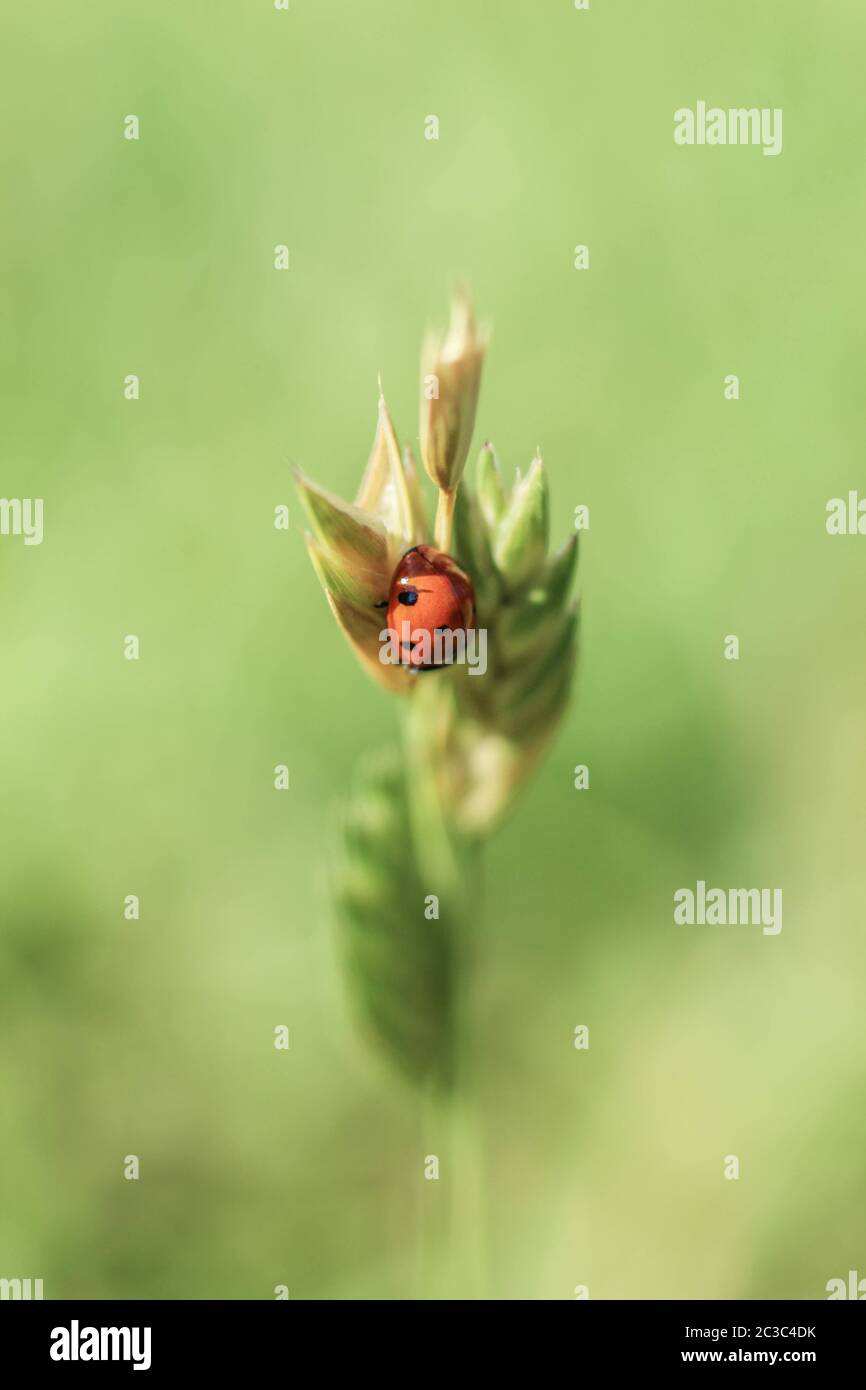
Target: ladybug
x=430, y=596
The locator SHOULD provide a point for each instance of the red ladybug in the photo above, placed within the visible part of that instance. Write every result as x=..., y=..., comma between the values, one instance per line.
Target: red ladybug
x=430, y=596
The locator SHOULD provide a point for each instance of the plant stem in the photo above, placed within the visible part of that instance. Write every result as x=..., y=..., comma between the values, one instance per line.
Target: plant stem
x=449, y=865
x=466, y=1158
x=433, y=1225
x=444, y=520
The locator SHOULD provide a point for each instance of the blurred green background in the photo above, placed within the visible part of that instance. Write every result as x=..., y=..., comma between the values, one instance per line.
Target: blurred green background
x=155, y=257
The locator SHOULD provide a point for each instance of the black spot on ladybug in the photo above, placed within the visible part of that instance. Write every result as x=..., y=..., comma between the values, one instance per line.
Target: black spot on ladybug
x=408, y=597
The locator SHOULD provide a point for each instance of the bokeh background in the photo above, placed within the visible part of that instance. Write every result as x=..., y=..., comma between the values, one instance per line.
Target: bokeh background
x=155, y=1037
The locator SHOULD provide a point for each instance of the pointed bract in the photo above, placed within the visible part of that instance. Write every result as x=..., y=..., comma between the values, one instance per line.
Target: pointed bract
x=490, y=488
x=558, y=574
x=450, y=380
x=351, y=535
x=521, y=537
x=384, y=490
x=360, y=586
x=362, y=626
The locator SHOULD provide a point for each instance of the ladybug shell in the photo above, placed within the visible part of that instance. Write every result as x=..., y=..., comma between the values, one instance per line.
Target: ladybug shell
x=429, y=590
